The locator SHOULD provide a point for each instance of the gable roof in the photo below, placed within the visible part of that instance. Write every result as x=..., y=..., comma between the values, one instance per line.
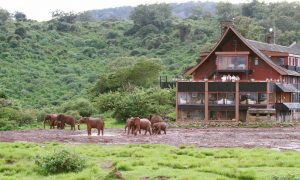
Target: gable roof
x=251, y=45
x=293, y=49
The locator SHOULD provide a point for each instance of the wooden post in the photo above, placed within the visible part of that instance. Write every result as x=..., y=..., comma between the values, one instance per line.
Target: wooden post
x=206, y=103
x=176, y=101
x=268, y=94
x=237, y=101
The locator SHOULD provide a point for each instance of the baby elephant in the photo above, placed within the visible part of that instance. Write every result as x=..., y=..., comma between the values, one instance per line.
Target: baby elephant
x=158, y=127
x=97, y=123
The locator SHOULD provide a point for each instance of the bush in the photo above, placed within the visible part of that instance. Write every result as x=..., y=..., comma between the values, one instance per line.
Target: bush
x=62, y=161
x=138, y=102
x=82, y=106
x=13, y=118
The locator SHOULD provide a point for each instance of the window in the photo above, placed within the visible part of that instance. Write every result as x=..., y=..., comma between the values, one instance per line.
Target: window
x=248, y=98
x=221, y=98
x=192, y=114
x=212, y=98
x=232, y=62
x=262, y=98
x=195, y=98
x=256, y=61
x=221, y=115
x=192, y=98
x=182, y=98
x=281, y=61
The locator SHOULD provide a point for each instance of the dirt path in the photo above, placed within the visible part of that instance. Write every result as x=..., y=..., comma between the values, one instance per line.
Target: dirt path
x=275, y=138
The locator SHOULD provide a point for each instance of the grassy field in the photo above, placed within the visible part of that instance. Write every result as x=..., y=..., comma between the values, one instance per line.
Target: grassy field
x=138, y=161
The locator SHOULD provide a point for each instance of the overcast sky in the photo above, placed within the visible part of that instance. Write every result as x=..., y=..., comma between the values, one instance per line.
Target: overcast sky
x=40, y=9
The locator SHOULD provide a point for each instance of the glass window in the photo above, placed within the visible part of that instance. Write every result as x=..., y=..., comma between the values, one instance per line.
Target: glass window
x=243, y=98
x=221, y=115
x=221, y=98
x=248, y=98
x=281, y=61
x=195, y=98
x=295, y=97
x=230, y=98
x=232, y=62
x=212, y=115
x=182, y=98
x=212, y=98
x=252, y=98
x=230, y=115
x=262, y=98
x=192, y=114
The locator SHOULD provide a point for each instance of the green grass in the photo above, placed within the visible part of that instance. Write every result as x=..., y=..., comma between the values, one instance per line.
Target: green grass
x=138, y=161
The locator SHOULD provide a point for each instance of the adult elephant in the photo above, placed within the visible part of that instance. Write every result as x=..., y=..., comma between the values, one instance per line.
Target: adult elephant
x=155, y=118
x=97, y=123
x=67, y=119
x=139, y=124
x=50, y=119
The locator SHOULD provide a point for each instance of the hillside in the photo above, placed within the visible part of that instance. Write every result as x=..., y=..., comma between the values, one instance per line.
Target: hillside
x=44, y=64
x=48, y=67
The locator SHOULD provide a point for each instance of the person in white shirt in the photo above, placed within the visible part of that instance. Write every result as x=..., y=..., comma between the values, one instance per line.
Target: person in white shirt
x=233, y=78
x=223, y=78
x=228, y=77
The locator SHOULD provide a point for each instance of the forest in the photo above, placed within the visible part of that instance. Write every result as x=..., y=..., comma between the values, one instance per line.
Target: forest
x=83, y=66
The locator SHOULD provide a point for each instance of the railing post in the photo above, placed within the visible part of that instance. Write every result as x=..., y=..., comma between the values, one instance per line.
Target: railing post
x=237, y=101
x=206, y=102
x=177, y=101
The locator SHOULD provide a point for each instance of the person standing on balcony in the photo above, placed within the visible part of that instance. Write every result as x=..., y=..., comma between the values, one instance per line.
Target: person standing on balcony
x=228, y=77
x=223, y=78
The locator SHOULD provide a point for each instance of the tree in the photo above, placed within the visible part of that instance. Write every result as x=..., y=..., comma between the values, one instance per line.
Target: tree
x=142, y=74
x=21, y=31
x=19, y=16
x=255, y=9
x=226, y=10
x=249, y=28
x=4, y=15
x=85, y=17
x=184, y=31
x=67, y=17
x=155, y=14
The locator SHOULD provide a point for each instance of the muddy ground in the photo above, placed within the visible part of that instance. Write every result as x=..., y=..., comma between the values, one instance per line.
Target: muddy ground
x=275, y=138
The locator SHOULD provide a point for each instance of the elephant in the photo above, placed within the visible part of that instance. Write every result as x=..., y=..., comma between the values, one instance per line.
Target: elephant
x=66, y=119
x=144, y=124
x=97, y=123
x=129, y=125
x=158, y=127
x=51, y=119
x=155, y=118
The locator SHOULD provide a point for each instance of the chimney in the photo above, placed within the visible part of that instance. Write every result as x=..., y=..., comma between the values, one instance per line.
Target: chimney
x=225, y=24
x=270, y=37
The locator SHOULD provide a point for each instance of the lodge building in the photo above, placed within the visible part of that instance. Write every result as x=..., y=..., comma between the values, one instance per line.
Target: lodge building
x=239, y=79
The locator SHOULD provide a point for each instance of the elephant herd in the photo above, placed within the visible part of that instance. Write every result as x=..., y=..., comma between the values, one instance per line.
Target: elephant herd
x=60, y=120
x=154, y=124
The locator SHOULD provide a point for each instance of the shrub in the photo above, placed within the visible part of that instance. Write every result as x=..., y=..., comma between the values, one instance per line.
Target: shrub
x=82, y=106
x=138, y=102
x=60, y=162
x=6, y=124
